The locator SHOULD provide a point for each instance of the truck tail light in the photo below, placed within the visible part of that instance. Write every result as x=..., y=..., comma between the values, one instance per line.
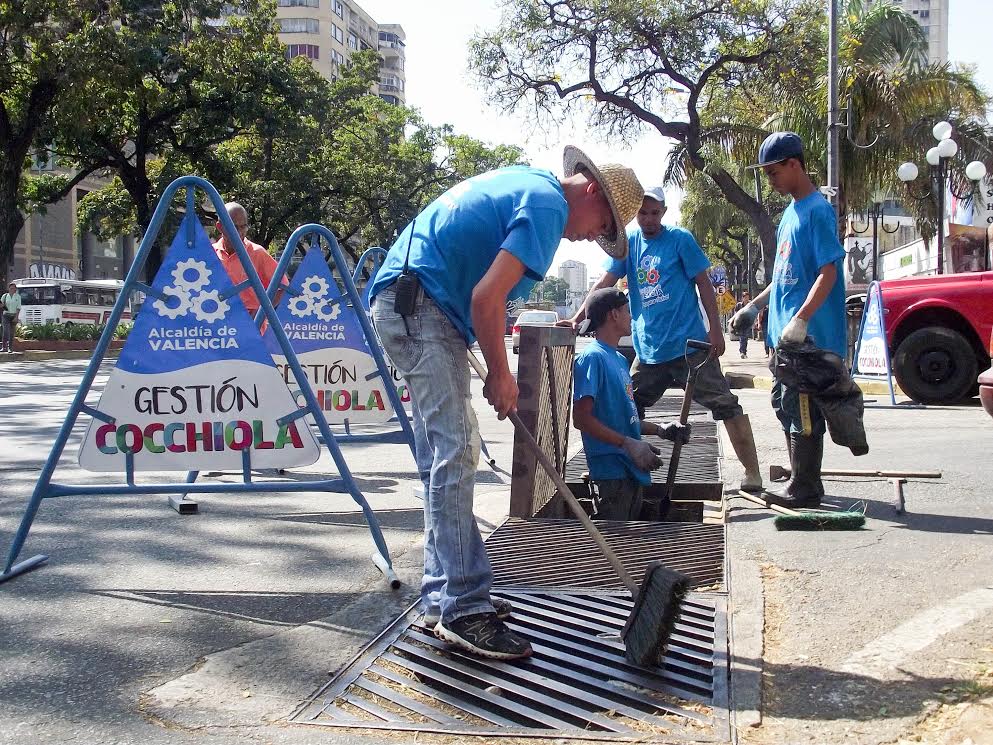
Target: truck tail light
x=517, y=329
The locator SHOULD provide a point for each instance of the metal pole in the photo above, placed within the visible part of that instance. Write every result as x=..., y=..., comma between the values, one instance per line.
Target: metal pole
x=834, y=142
x=875, y=241
x=748, y=264
x=941, y=215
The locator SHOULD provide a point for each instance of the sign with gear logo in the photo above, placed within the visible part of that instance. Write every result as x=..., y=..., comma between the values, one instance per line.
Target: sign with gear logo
x=331, y=347
x=194, y=385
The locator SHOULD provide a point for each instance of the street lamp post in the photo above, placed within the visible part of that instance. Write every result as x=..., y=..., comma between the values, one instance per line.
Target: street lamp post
x=875, y=213
x=938, y=158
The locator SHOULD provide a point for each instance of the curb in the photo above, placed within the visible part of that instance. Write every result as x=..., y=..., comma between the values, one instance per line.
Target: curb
x=763, y=382
x=38, y=355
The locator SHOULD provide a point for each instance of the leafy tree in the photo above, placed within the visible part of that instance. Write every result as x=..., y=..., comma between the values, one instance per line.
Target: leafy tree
x=550, y=290
x=632, y=64
x=46, y=50
x=176, y=80
x=894, y=95
x=321, y=152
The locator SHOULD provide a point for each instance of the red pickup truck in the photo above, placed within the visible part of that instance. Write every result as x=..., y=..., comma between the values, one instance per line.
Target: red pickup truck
x=938, y=329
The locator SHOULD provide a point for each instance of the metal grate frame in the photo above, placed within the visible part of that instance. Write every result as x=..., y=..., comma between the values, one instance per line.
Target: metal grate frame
x=577, y=684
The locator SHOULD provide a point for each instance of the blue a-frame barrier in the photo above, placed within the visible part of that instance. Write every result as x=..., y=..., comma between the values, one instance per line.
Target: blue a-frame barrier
x=45, y=488
x=360, y=307
x=873, y=299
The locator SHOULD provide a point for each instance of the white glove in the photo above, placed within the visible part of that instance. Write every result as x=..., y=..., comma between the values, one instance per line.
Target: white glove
x=645, y=456
x=795, y=331
x=744, y=318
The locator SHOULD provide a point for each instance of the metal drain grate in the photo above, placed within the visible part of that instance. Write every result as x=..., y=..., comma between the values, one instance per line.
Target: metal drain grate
x=576, y=685
x=669, y=407
x=559, y=554
x=697, y=477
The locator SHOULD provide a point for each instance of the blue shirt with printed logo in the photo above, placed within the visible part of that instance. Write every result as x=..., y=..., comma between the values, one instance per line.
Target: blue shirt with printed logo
x=807, y=239
x=665, y=309
x=456, y=238
x=601, y=372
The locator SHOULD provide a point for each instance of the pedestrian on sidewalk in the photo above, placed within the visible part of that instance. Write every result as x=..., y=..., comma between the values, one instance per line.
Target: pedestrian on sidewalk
x=445, y=284
x=743, y=337
x=806, y=302
x=667, y=281
x=11, y=307
x=619, y=460
x=262, y=260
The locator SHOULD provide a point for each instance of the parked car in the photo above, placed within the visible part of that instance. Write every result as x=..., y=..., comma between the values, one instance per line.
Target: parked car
x=986, y=385
x=937, y=329
x=531, y=318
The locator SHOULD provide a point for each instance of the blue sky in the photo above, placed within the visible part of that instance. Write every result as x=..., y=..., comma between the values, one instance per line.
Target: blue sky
x=439, y=84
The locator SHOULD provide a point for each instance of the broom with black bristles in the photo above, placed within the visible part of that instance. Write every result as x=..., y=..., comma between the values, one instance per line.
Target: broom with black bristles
x=656, y=601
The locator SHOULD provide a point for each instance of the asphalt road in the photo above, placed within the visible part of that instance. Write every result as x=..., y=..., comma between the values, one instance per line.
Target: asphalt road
x=148, y=626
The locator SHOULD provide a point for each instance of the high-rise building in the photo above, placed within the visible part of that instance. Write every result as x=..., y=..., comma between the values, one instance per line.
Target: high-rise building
x=329, y=31
x=574, y=274
x=933, y=17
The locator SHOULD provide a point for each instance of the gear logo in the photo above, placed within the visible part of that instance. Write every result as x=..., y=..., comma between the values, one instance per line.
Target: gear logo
x=187, y=294
x=314, y=301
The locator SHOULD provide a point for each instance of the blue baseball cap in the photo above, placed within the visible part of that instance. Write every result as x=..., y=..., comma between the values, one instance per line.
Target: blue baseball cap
x=779, y=146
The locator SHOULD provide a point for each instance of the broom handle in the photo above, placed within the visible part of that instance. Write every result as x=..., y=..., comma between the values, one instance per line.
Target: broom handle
x=774, y=507
x=563, y=488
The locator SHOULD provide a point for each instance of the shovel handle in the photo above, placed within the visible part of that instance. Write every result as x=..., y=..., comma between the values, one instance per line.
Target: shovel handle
x=563, y=488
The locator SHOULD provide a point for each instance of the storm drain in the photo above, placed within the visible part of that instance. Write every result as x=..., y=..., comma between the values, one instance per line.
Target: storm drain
x=576, y=685
x=698, y=475
x=559, y=554
x=669, y=407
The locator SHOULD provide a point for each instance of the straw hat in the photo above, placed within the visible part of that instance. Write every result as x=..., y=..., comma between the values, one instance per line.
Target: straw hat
x=623, y=190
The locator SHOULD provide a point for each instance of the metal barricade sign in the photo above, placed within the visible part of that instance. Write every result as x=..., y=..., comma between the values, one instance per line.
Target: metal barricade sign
x=330, y=344
x=872, y=355
x=194, y=385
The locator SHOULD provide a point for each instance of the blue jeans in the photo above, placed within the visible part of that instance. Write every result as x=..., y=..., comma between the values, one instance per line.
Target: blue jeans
x=433, y=361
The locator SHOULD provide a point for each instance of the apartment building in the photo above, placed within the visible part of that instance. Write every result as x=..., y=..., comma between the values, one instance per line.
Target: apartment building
x=933, y=17
x=574, y=273
x=328, y=31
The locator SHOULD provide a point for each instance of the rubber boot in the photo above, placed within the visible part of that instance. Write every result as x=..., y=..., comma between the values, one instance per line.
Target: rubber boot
x=740, y=432
x=804, y=488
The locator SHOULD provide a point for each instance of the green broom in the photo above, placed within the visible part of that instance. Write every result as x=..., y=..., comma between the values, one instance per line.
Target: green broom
x=788, y=519
x=661, y=593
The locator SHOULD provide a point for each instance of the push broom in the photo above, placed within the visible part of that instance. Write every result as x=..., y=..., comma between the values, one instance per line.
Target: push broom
x=656, y=601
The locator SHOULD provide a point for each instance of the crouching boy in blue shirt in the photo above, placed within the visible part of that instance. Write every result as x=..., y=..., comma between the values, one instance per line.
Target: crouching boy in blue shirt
x=605, y=413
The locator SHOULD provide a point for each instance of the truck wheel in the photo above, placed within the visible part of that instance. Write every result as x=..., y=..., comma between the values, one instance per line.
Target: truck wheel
x=935, y=365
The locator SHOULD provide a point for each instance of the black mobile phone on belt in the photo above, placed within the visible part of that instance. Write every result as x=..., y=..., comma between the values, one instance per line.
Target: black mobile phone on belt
x=408, y=285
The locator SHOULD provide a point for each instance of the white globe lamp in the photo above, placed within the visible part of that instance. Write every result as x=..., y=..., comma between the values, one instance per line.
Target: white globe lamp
x=907, y=172
x=975, y=171
x=947, y=148
x=942, y=131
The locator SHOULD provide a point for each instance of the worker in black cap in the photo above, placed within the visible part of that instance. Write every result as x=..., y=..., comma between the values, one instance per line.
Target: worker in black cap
x=806, y=302
x=604, y=411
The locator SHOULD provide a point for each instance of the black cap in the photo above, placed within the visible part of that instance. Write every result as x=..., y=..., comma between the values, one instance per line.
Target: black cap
x=779, y=146
x=599, y=303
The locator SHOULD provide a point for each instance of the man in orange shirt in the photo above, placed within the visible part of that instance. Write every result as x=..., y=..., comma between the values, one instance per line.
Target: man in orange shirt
x=264, y=264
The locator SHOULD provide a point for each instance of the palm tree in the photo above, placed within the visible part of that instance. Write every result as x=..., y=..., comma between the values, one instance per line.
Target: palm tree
x=894, y=96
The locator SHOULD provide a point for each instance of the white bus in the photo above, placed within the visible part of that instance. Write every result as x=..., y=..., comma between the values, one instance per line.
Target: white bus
x=69, y=301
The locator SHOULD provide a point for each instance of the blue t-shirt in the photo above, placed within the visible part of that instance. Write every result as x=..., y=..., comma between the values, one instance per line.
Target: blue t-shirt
x=665, y=309
x=519, y=209
x=601, y=372
x=807, y=239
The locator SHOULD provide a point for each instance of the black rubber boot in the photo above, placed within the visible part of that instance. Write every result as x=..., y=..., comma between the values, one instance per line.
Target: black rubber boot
x=804, y=488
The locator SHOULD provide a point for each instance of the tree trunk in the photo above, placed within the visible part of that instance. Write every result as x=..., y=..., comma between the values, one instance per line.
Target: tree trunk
x=755, y=211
